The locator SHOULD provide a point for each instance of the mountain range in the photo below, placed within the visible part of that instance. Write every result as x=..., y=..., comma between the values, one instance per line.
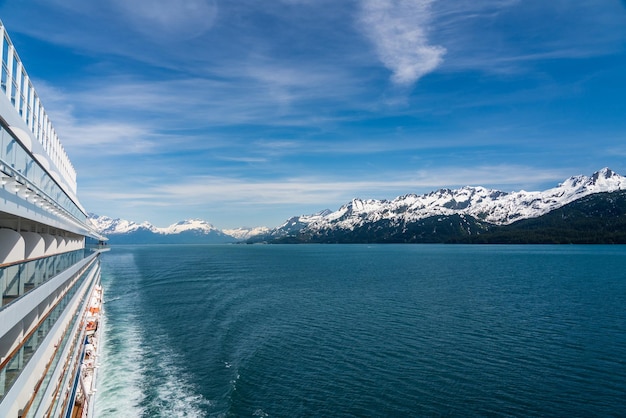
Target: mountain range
x=468, y=214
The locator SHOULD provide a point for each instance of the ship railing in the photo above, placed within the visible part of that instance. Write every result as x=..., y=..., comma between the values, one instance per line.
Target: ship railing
x=17, y=279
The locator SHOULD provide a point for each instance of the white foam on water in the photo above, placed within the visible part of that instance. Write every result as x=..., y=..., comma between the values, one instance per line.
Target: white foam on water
x=119, y=379
x=120, y=376
x=125, y=376
x=139, y=373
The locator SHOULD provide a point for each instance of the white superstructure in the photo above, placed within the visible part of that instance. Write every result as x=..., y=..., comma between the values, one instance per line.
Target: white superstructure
x=49, y=262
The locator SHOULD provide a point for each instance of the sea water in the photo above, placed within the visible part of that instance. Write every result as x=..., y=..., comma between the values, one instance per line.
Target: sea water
x=363, y=330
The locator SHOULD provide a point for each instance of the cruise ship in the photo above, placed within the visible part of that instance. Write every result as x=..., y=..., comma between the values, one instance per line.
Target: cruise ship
x=50, y=325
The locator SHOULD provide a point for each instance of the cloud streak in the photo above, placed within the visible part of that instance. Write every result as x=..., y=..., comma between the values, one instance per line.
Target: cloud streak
x=399, y=31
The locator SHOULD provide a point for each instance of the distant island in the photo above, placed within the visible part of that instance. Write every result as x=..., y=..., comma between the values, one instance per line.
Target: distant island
x=581, y=210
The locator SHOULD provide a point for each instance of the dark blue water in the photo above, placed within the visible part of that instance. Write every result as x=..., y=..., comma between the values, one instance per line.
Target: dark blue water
x=356, y=330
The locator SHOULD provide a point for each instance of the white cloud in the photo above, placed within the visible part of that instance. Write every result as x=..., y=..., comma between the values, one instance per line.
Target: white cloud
x=399, y=31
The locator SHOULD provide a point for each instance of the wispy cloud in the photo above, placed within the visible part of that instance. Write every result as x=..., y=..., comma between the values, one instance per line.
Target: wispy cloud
x=399, y=31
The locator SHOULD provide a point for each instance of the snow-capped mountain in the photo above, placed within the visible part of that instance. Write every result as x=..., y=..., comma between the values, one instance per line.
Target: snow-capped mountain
x=194, y=225
x=488, y=205
x=188, y=231
x=109, y=226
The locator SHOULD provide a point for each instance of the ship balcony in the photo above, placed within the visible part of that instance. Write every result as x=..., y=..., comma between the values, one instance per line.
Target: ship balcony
x=53, y=322
x=17, y=279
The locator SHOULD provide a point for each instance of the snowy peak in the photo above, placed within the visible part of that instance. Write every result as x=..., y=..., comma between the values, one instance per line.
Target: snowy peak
x=195, y=225
x=605, y=173
x=605, y=180
x=608, y=180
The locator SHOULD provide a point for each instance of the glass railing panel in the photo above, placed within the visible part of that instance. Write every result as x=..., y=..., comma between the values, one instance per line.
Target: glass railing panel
x=3, y=79
x=13, y=86
x=19, y=279
x=35, y=274
x=5, y=54
x=8, y=148
x=49, y=267
x=29, y=171
x=28, y=276
x=19, y=163
x=10, y=282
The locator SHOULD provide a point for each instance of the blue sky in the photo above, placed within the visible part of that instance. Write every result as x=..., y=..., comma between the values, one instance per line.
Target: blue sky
x=244, y=112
